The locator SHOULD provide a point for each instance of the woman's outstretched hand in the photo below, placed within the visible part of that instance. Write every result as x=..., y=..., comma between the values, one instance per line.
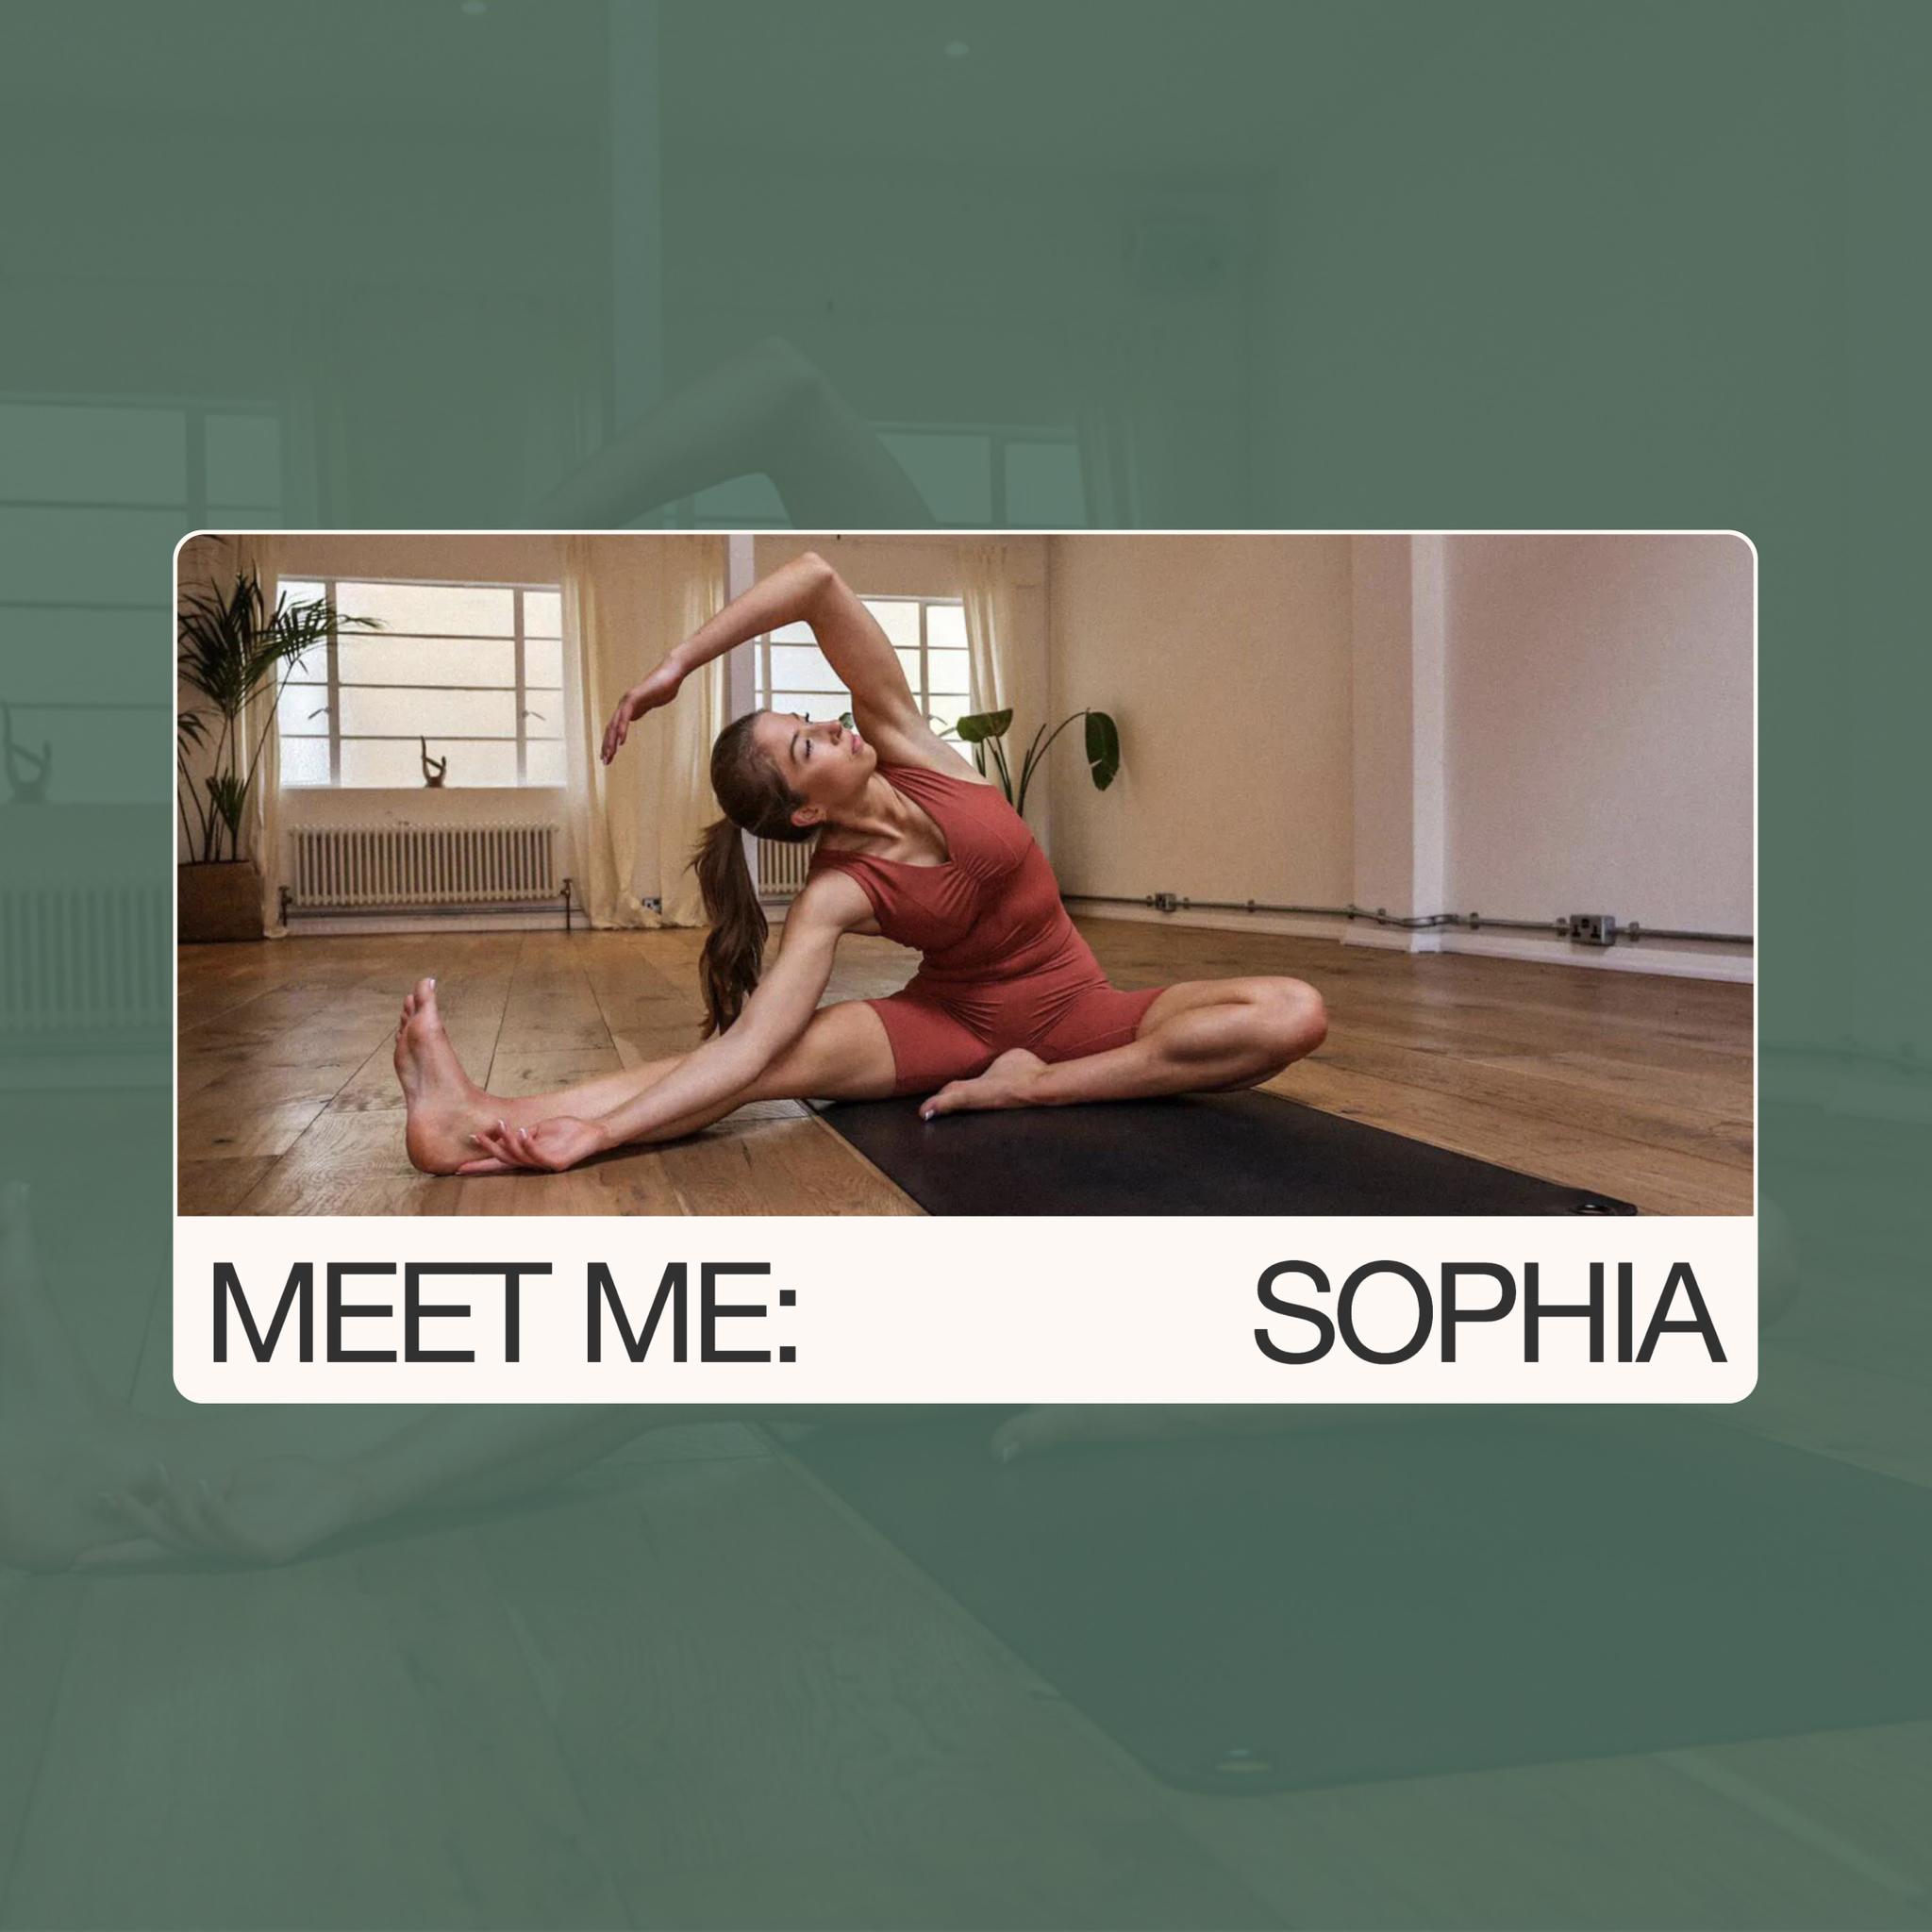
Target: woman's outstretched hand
x=657, y=690
x=548, y=1147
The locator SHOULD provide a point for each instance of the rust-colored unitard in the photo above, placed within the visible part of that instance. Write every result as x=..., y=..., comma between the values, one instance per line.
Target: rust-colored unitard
x=1003, y=965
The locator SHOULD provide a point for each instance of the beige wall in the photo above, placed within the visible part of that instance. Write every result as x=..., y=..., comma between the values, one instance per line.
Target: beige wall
x=1225, y=660
x=1600, y=728
x=1518, y=725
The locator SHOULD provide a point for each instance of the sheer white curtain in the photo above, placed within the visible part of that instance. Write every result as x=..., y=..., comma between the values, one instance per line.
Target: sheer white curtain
x=693, y=593
x=626, y=601
x=265, y=807
x=602, y=854
x=986, y=583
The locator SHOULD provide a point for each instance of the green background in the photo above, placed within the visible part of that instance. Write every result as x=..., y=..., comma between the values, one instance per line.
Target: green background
x=1375, y=265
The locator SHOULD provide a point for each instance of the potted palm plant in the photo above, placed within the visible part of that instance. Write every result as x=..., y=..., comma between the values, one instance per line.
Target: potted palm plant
x=985, y=731
x=230, y=646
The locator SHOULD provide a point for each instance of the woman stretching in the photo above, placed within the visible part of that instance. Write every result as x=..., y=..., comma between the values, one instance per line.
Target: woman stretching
x=1008, y=1007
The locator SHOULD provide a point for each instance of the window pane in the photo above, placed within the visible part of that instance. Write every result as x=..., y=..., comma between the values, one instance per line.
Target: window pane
x=945, y=626
x=293, y=592
x=305, y=761
x=303, y=711
x=90, y=556
x=478, y=764
x=952, y=473
x=543, y=663
x=900, y=622
x=386, y=660
x=388, y=762
x=473, y=609
x=311, y=667
x=909, y=664
x=945, y=714
x=543, y=714
x=377, y=762
x=799, y=668
x=74, y=453
x=1045, y=489
x=54, y=656
x=815, y=705
x=946, y=670
x=402, y=711
x=544, y=764
x=794, y=634
x=542, y=614
x=245, y=460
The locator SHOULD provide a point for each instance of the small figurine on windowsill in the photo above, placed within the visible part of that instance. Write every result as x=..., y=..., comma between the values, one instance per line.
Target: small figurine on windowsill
x=433, y=769
x=27, y=772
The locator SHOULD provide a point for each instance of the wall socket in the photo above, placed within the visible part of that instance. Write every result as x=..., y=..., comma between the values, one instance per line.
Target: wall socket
x=1594, y=929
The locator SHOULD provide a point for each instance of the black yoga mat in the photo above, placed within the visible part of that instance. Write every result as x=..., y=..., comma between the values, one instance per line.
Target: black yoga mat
x=1396, y=1598
x=1207, y=1154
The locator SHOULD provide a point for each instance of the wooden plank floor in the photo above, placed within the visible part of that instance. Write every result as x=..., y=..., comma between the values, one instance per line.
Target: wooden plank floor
x=1630, y=1084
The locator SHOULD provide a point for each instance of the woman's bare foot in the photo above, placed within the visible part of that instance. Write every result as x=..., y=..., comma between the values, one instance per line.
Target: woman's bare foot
x=1009, y=1082
x=445, y=1106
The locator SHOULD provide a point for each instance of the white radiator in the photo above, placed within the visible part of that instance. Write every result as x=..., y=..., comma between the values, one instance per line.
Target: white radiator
x=394, y=868
x=782, y=868
x=88, y=959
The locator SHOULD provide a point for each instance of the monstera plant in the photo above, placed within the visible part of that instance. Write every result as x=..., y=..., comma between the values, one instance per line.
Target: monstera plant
x=230, y=646
x=985, y=731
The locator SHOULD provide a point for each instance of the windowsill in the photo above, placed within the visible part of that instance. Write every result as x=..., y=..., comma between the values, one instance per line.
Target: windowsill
x=327, y=807
x=388, y=794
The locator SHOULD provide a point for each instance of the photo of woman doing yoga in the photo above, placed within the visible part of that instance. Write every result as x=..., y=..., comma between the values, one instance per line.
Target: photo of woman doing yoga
x=1009, y=1008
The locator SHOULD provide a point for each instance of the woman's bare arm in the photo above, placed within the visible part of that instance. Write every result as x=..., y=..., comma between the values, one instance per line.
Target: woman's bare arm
x=807, y=590
x=712, y=1078
x=767, y=412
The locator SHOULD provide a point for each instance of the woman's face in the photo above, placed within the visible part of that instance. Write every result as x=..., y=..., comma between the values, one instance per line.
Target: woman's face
x=825, y=763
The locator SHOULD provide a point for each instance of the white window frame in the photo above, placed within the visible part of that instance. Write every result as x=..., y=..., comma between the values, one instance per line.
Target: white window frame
x=762, y=646
x=997, y=437
x=335, y=686
x=682, y=513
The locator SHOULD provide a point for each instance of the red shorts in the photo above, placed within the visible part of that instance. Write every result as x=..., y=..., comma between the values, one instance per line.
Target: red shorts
x=941, y=1035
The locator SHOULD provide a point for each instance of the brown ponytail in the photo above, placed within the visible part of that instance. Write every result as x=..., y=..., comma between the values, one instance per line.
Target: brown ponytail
x=755, y=800
x=735, y=946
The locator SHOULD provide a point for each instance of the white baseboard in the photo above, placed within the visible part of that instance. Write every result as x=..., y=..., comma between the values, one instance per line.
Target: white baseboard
x=1391, y=938
x=1652, y=956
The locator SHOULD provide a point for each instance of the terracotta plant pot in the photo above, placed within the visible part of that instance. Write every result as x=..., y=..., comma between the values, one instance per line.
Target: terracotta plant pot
x=219, y=901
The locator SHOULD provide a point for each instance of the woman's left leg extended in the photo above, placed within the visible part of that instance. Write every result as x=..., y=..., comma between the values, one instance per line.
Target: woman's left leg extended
x=843, y=1053
x=1197, y=1036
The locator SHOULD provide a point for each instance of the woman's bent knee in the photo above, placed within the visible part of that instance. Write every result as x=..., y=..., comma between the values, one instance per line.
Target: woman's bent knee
x=1292, y=1021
